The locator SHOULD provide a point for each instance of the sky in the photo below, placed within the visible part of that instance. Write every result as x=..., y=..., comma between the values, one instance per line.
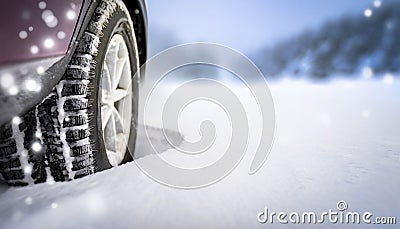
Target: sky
x=245, y=25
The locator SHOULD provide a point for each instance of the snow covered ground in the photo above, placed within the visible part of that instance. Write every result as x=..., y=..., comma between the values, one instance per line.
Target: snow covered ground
x=334, y=141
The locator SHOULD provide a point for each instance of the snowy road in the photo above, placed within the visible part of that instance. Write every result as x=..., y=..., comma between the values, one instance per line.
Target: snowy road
x=334, y=141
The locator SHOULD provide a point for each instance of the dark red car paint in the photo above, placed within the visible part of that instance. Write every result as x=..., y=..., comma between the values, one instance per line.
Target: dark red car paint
x=23, y=27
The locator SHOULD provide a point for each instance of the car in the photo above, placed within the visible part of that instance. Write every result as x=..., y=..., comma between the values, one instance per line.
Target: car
x=68, y=88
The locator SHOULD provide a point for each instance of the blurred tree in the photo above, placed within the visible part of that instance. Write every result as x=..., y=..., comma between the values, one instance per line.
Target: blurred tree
x=344, y=46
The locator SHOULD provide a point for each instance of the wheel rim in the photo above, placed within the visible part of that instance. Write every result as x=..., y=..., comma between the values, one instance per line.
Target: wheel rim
x=116, y=99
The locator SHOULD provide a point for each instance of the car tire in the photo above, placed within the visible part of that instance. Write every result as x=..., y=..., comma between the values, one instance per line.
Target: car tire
x=64, y=137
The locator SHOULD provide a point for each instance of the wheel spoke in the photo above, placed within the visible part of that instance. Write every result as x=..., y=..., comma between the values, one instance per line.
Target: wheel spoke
x=111, y=155
x=106, y=112
x=119, y=71
x=119, y=94
x=121, y=142
x=111, y=62
x=114, y=142
x=106, y=80
x=114, y=157
x=119, y=125
x=119, y=129
x=110, y=135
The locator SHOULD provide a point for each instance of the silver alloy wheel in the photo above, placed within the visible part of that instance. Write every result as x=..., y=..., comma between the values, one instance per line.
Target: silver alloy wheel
x=116, y=99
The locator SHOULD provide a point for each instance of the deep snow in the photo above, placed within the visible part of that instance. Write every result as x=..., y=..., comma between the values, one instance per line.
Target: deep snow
x=334, y=141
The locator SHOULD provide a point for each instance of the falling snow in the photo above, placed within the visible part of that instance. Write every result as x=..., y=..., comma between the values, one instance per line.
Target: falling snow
x=7, y=81
x=34, y=49
x=377, y=3
x=40, y=70
x=54, y=205
x=23, y=34
x=48, y=43
x=61, y=35
x=16, y=120
x=71, y=15
x=388, y=79
x=36, y=146
x=32, y=85
x=368, y=13
x=42, y=5
x=367, y=72
x=28, y=200
x=49, y=18
x=13, y=90
x=28, y=169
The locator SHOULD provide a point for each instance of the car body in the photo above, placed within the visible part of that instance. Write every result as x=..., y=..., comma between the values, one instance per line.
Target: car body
x=37, y=40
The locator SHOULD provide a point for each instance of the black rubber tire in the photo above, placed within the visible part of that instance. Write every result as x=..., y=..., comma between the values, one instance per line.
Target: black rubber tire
x=17, y=156
x=67, y=123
